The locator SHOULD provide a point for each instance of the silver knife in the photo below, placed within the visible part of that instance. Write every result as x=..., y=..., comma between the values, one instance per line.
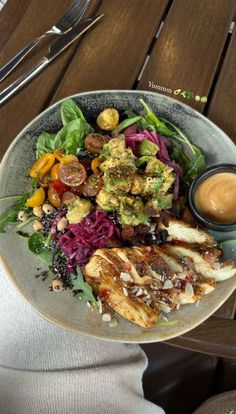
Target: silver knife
x=54, y=50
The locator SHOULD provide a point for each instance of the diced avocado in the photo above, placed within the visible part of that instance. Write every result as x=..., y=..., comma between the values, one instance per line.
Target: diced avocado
x=78, y=210
x=155, y=167
x=119, y=179
x=162, y=202
x=142, y=161
x=148, y=148
x=168, y=179
x=107, y=201
x=132, y=211
x=146, y=185
x=114, y=148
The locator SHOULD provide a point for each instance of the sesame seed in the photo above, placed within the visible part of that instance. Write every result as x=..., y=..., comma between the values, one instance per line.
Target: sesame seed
x=140, y=292
x=125, y=291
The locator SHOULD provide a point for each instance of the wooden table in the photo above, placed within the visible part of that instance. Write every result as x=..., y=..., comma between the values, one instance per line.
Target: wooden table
x=155, y=45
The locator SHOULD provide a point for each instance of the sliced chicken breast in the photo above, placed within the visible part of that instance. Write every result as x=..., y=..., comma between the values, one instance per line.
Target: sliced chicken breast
x=181, y=231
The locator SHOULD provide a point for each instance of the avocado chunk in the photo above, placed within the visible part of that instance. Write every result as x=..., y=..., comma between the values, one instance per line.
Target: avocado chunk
x=78, y=210
x=107, y=201
x=148, y=148
x=132, y=211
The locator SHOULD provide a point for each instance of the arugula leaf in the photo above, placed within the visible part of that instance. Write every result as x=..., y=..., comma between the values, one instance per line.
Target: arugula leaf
x=126, y=123
x=86, y=293
x=191, y=166
x=37, y=245
x=195, y=166
x=70, y=111
x=160, y=126
x=11, y=215
x=45, y=143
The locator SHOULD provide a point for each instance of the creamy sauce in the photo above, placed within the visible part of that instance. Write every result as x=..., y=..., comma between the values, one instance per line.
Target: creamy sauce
x=215, y=198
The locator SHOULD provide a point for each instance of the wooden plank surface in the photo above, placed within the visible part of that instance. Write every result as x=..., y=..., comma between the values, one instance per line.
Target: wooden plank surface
x=112, y=57
x=31, y=100
x=215, y=336
x=12, y=14
x=223, y=103
x=227, y=310
x=188, y=50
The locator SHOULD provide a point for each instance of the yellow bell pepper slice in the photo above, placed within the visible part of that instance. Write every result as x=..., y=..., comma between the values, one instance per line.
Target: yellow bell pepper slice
x=42, y=165
x=36, y=199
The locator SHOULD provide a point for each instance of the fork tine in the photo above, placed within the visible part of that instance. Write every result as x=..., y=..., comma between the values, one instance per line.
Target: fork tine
x=74, y=13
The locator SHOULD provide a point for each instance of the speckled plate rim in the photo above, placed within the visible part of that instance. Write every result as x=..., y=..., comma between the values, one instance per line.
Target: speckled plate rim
x=71, y=326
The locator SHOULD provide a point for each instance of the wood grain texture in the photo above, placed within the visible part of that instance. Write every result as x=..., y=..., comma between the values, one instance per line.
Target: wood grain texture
x=227, y=310
x=188, y=50
x=223, y=103
x=31, y=100
x=215, y=336
x=10, y=16
x=112, y=56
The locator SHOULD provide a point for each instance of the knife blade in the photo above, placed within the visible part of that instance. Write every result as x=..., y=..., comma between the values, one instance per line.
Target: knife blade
x=54, y=50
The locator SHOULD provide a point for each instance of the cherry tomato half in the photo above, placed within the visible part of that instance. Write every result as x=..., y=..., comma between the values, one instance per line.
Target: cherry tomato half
x=68, y=159
x=42, y=165
x=73, y=174
x=96, y=162
x=58, y=155
x=55, y=172
x=92, y=185
x=44, y=180
x=53, y=197
x=60, y=187
x=94, y=143
x=36, y=199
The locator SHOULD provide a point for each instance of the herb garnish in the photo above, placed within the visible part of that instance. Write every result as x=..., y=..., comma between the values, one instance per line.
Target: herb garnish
x=85, y=292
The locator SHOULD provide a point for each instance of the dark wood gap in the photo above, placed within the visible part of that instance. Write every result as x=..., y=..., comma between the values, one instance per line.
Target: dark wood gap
x=217, y=73
x=152, y=44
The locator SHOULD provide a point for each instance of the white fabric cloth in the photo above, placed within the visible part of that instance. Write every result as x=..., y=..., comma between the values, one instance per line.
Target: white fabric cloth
x=47, y=370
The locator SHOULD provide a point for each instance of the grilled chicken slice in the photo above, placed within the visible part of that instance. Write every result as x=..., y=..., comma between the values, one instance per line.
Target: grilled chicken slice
x=111, y=276
x=181, y=231
x=205, y=261
x=138, y=281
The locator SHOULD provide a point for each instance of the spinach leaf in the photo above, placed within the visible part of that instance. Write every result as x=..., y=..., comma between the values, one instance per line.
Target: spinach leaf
x=70, y=137
x=11, y=215
x=126, y=123
x=70, y=111
x=45, y=143
x=36, y=244
x=85, y=291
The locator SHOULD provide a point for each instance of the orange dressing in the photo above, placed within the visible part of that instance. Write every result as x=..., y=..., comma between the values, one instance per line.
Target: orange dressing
x=215, y=198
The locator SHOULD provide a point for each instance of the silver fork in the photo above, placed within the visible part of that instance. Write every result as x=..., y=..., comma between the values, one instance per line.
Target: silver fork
x=64, y=25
